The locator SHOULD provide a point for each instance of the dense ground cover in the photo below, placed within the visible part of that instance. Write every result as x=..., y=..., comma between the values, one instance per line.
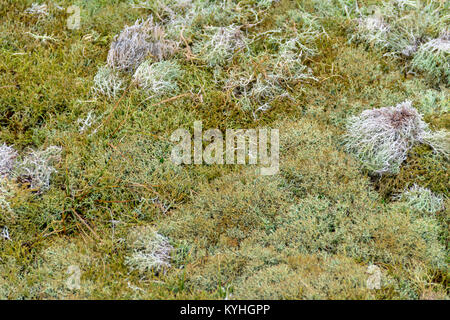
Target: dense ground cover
x=87, y=183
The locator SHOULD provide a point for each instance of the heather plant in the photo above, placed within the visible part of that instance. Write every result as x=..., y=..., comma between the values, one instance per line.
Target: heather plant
x=37, y=167
x=150, y=251
x=8, y=157
x=108, y=82
x=135, y=43
x=158, y=78
x=421, y=199
x=381, y=138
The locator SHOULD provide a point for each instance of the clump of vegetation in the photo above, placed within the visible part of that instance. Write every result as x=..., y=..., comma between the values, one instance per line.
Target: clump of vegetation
x=37, y=167
x=8, y=157
x=433, y=102
x=408, y=29
x=119, y=212
x=381, y=138
x=6, y=192
x=158, y=78
x=87, y=122
x=133, y=45
x=423, y=167
x=422, y=199
x=150, y=251
x=107, y=82
x=433, y=58
x=37, y=9
x=219, y=44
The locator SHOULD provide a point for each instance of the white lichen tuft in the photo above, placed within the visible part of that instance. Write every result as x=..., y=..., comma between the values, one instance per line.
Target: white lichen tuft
x=150, y=251
x=399, y=27
x=220, y=44
x=158, y=78
x=135, y=43
x=107, y=82
x=373, y=29
x=439, y=141
x=37, y=9
x=37, y=168
x=5, y=233
x=433, y=58
x=7, y=160
x=86, y=123
x=381, y=138
x=422, y=199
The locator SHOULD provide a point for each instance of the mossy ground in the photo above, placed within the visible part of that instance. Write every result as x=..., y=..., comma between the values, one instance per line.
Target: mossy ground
x=309, y=232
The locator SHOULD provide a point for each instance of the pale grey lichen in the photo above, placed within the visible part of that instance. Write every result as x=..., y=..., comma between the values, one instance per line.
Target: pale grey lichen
x=433, y=58
x=135, y=43
x=158, y=78
x=422, y=199
x=37, y=167
x=381, y=138
x=150, y=251
x=219, y=44
x=37, y=9
x=107, y=82
x=86, y=123
x=8, y=157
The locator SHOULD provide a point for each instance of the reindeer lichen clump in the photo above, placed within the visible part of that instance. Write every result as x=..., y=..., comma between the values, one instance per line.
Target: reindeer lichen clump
x=135, y=43
x=158, y=78
x=107, y=82
x=220, y=44
x=37, y=168
x=150, y=251
x=433, y=58
x=381, y=138
x=7, y=160
x=408, y=29
x=422, y=199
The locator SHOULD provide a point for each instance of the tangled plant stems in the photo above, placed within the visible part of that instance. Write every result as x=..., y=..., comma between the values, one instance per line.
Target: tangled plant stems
x=220, y=44
x=433, y=58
